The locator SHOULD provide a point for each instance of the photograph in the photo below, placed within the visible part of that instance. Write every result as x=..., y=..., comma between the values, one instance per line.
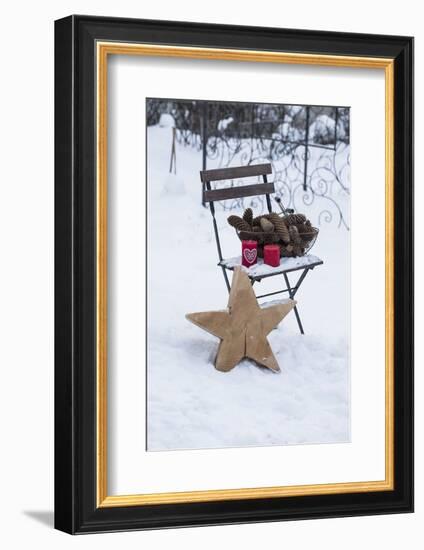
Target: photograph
x=248, y=274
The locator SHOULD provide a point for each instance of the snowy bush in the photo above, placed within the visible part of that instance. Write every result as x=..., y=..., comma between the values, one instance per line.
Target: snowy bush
x=224, y=123
x=166, y=121
x=322, y=130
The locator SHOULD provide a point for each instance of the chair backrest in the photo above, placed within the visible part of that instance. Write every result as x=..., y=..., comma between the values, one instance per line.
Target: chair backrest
x=211, y=195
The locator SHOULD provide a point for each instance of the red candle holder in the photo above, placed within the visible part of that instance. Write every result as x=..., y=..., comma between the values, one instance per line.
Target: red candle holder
x=249, y=253
x=272, y=255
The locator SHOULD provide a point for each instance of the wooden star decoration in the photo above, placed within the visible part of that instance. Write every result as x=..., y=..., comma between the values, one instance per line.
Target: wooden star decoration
x=243, y=327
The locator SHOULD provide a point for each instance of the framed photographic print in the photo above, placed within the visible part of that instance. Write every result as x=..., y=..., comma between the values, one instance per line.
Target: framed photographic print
x=234, y=274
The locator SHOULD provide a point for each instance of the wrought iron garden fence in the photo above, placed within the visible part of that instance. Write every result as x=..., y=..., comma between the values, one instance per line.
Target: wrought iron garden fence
x=307, y=145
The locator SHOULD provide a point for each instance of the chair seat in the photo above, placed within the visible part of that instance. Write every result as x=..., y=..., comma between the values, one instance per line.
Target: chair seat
x=261, y=270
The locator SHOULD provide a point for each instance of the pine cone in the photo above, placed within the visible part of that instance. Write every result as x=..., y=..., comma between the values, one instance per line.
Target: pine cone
x=266, y=225
x=293, y=219
x=238, y=223
x=280, y=227
x=248, y=216
x=298, y=251
x=294, y=235
x=289, y=249
x=303, y=228
x=273, y=217
x=257, y=221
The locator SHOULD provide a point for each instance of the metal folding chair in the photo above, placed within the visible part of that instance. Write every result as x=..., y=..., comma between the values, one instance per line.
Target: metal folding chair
x=211, y=196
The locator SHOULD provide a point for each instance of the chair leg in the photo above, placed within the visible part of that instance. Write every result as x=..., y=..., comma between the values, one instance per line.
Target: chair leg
x=292, y=293
x=227, y=282
x=299, y=322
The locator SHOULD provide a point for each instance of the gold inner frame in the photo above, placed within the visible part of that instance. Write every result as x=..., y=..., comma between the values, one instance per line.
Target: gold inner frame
x=104, y=49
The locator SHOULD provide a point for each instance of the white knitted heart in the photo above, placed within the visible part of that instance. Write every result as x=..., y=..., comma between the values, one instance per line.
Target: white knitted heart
x=250, y=255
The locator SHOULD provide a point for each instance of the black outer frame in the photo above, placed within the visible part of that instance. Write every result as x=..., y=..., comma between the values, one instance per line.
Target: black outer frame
x=75, y=275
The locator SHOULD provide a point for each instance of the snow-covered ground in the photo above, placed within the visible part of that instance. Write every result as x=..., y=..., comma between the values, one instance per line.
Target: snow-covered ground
x=189, y=403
